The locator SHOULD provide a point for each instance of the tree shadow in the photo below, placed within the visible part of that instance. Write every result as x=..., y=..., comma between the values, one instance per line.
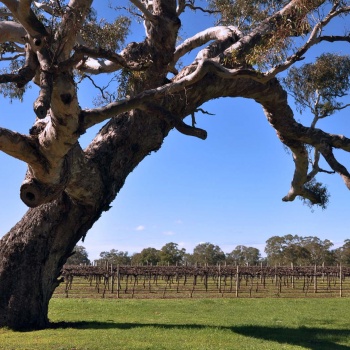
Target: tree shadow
x=310, y=338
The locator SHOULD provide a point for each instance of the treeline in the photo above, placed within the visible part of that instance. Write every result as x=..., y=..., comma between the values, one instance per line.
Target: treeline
x=279, y=250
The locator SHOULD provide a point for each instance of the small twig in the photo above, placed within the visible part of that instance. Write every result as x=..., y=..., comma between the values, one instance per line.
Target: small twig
x=12, y=57
x=203, y=111
x=177, y=122
x=195, y=8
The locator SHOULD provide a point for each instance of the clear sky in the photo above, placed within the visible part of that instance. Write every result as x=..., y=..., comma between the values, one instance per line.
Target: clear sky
x=226, y=190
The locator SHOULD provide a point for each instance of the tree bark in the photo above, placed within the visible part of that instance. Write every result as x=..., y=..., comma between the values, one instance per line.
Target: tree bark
x=32, y=255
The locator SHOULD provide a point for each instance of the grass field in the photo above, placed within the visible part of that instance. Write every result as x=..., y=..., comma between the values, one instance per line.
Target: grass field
x=317, y=324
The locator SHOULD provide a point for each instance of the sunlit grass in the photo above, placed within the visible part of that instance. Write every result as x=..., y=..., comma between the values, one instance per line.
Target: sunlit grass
x=190, y=324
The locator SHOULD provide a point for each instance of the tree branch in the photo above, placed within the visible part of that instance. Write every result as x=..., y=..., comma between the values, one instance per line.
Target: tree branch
x=12, y=32
x=18, y=146
x=181, y=4
x=21, y=10
x=118, y=60
x=147, y=14
x=220, y=33
x=177, y=122
x=314, y=39
x=43, y=6
x=293, y=11
x=26, y=73
x=94, y=116
x=328, y=155
x=72, y=21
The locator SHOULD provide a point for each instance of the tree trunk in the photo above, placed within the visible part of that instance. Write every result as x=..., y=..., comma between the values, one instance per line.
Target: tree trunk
x=33, y=253
x=32, y=256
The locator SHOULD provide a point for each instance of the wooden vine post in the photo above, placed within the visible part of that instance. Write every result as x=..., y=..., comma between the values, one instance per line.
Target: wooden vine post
x=118, y=281
x=340, y=281
x=237, y=281
x=315, y=279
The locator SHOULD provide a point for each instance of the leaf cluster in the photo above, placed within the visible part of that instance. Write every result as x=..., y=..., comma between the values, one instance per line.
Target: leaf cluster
x=321, y=192
x=105, y=35
x=11, y=90
x=245, y=14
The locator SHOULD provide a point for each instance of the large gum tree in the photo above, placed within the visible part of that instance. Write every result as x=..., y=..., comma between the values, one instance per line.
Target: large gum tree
x=55, y=44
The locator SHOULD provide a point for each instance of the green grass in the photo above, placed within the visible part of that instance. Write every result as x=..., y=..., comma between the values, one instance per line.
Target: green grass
x=94, y=324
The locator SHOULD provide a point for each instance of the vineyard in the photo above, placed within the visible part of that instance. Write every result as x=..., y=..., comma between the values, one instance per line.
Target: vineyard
x=209, y=281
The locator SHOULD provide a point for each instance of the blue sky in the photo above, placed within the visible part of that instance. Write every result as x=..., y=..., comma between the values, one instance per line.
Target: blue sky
x=226, y=190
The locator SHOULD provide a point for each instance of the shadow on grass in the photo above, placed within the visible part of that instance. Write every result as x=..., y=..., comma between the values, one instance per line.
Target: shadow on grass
x=310, y=338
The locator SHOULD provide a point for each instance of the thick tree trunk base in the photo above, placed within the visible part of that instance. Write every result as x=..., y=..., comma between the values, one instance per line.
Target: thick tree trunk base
x=32, y=255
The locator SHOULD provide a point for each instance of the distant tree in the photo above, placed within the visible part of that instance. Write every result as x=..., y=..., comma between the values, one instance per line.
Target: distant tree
x=283, y=250
x=243, y=255
x=295, y=253
x=171, y=254
x=275, y=247
x=342, y=254
x=115, y=257
x=319, y=251
x=147, y=256
x=189, y=259
x=299, y=250
x=79, y=257
x=208, y=253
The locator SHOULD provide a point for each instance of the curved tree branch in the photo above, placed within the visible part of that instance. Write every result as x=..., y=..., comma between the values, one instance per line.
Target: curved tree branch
x=328, y=155
x=147, y=14
x=21, y=10
x=117, y=60
x=18, y=146
x=12, y=32
x=292, y=12
x=176, y=122
x=220, y=33
x=97, y=115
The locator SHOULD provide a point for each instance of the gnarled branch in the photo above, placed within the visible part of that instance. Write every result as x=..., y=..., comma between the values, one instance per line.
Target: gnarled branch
x=18, y=146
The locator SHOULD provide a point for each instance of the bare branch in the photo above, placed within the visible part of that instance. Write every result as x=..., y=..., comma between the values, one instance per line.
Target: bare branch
x=18, y=146
x=335, y=38
x=147, y=14
x=94, y=116
x=12, y=32
x=23, y=13
x=71, y=24
x=181, y=4
x=176, y=122
x=191, y=5
x=315, y=166
x=328, y=155
x=215, y=33
x=11, y=58
x=44, y=6
x=118, y=60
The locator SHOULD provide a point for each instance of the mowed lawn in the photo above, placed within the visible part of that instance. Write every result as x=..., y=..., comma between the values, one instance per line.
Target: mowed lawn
x=190, y=324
